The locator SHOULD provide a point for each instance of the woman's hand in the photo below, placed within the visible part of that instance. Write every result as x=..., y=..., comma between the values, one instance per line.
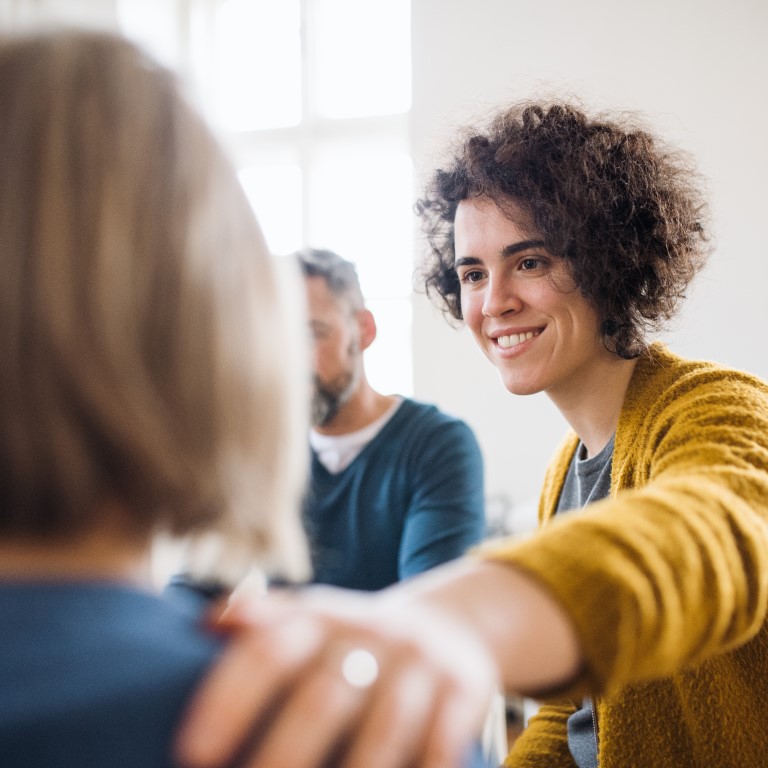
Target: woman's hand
x=280, y=696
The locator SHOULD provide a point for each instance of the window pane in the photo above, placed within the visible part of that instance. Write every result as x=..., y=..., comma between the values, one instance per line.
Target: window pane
x=153, y=25
x=275, y=194
x=361, y=207
x=362, y=57
x=388, y=361
x=257, y=67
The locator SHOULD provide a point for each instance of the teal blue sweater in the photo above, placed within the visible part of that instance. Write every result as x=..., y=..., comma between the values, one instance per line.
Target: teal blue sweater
x=94, y=674
x=411, y=500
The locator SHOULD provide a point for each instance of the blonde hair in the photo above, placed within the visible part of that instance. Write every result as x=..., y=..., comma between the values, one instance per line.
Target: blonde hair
x=148, y=355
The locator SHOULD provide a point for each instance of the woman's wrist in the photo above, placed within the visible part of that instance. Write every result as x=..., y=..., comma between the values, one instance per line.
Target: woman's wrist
x=531, y=639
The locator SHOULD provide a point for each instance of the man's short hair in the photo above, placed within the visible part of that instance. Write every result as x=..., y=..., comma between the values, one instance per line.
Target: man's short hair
x=339, y=274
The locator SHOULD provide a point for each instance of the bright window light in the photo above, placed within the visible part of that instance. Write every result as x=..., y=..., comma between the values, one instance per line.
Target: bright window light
x=388, y=363
x=362, y=57
x=361, y=208
x=152, y=25
x=257, y=69
x=274, y=191
x=285, y=82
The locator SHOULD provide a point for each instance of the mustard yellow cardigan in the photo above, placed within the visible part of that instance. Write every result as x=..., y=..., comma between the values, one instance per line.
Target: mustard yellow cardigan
x=666, y=580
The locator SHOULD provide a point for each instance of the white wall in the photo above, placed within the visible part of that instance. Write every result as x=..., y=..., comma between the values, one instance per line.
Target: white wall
x=699, y=70
x=21, y=15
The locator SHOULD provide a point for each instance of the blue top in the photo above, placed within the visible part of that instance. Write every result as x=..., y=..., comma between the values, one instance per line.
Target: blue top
x=411, y=500
x=94, y=674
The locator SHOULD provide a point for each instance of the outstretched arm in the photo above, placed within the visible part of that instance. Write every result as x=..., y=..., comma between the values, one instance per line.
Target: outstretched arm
x=442, y=641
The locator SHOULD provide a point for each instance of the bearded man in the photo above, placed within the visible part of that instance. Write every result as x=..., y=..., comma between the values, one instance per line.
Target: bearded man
x=396, y=485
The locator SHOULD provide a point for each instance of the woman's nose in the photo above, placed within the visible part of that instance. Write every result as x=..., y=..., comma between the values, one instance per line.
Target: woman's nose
x=500, y=298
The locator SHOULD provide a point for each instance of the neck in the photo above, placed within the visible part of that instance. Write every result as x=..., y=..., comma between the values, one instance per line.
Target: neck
x=363, y=408
x=594, y=408
x=98, y=555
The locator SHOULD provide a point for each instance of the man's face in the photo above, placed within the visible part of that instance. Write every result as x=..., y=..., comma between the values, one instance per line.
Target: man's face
x=337, y=356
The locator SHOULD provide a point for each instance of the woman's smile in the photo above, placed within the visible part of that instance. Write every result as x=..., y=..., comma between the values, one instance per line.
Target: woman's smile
x=522, y=306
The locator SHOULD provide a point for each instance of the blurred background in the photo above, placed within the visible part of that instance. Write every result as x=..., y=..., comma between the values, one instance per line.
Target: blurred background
x=335, y=111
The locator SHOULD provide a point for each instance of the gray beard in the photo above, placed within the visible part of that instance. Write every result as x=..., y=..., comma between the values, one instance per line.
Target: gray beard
x=328, y=399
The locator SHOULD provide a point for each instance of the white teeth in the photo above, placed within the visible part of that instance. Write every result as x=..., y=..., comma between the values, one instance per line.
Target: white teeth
x=514, y=339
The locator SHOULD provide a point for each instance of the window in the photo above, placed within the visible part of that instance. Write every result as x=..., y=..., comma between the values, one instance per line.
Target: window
x=313, y=97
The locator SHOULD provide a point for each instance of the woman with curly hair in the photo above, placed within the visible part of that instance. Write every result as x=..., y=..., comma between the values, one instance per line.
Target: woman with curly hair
x=562, y=241
x=637, y=612
x=608, y=199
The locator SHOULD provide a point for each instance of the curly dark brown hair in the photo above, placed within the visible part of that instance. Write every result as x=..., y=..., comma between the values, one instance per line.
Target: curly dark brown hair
x=626, y=212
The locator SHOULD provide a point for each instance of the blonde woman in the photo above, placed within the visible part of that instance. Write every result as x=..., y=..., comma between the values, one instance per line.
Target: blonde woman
x=143, y=389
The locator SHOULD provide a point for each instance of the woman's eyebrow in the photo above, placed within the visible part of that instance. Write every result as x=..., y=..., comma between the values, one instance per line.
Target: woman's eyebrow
x=523, y=245
x=506, y=252
x=465, y=260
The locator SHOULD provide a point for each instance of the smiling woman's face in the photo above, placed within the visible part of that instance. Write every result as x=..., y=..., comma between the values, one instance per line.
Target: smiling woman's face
x=522, y=307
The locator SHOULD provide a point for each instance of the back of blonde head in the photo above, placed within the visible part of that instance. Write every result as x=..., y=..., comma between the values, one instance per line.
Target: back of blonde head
x=148, y=357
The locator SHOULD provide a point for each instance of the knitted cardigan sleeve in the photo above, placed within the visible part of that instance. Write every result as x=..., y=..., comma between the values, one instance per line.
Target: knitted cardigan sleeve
x=544, y=742
x=673, y=567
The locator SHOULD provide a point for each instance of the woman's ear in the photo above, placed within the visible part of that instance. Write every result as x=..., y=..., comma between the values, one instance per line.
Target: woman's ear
x=367, y=325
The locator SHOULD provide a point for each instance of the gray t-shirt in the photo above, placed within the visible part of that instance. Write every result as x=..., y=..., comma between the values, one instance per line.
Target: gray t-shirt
x=587, y=480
